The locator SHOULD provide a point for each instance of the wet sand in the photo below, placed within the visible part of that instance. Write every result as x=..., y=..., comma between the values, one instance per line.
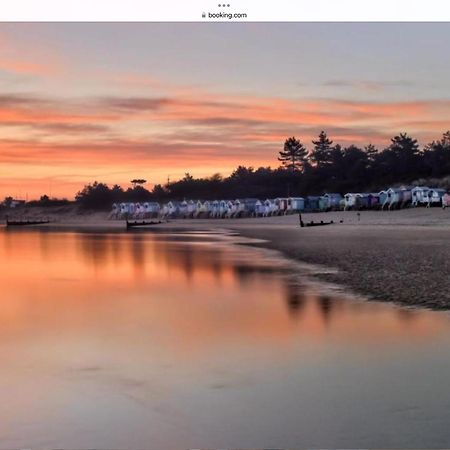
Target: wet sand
x=407, y=264
x=399, y=256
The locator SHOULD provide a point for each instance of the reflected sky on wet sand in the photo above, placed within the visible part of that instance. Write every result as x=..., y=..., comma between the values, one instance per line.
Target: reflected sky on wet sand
x=121, y=340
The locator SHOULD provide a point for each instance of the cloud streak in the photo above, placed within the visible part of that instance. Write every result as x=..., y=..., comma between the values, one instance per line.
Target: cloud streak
x=172, y=134
x=368, y=85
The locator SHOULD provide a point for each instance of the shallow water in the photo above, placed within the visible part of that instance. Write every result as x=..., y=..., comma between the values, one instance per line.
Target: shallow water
x=173, y=341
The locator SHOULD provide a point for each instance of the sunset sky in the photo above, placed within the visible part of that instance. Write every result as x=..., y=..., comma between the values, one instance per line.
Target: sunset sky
x=112, y=102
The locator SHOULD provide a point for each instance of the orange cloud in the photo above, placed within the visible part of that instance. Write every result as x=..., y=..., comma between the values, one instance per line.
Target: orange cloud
x=115, y=138
x=27, y=68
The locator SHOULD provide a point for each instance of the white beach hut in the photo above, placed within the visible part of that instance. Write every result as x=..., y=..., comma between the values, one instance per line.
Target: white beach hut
x=191, y=208
x=139, y=211
x=419, y=195
x=383, y=198
x=123, y=210
x=151, y=209
x=270, y=207
x=233, y=208
x=259, y=208
x=145, y=207
x=115, y=211
x=198, y=209
x=394, y=198
x=435, y=197
x=183, y=209
x=164, y=211
x=215, y=208
x=131, y=209
x=230, y=208
x=205, y=209
x=349, y=201
x=173, y=209
x=223, y=207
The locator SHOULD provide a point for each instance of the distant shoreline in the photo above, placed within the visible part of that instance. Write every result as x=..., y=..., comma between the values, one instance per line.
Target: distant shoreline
x=396, y=256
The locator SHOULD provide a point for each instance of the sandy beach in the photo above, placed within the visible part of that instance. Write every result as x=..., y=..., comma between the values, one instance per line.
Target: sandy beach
x=398, y=256
x=401, y=262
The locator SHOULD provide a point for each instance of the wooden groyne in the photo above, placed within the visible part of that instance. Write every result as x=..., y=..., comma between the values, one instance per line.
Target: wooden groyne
x=142, y=223
x=25, y=222
x=314, y=224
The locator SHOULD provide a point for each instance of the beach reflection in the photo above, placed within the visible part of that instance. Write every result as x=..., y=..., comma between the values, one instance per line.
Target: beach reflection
x=109, y=340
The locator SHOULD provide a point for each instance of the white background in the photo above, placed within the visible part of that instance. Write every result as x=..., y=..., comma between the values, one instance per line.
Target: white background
x=191, y=10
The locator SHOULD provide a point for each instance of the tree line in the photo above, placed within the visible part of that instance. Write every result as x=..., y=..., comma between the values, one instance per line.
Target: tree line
x=327, y=167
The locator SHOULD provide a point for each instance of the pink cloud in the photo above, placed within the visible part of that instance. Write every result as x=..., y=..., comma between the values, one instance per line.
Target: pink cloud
x=178, y=133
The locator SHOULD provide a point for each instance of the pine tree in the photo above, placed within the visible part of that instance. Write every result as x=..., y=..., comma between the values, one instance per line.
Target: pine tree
x=138, y=182
x=371, y=152
x=436, y=156
x=404, y=145
x=294, y=155
x=445, y=141
x=323, y=147
x=405, y=154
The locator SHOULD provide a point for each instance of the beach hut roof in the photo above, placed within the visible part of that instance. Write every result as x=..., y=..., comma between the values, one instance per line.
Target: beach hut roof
x=333, y=195
x=395, y=190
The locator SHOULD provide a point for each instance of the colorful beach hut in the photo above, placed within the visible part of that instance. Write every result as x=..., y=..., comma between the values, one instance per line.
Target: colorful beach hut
x=296, y=205
x=333, y=201
x=312, y=203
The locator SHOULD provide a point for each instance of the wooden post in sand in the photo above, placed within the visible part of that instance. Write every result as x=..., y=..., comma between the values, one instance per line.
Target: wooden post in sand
x=300, y=219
